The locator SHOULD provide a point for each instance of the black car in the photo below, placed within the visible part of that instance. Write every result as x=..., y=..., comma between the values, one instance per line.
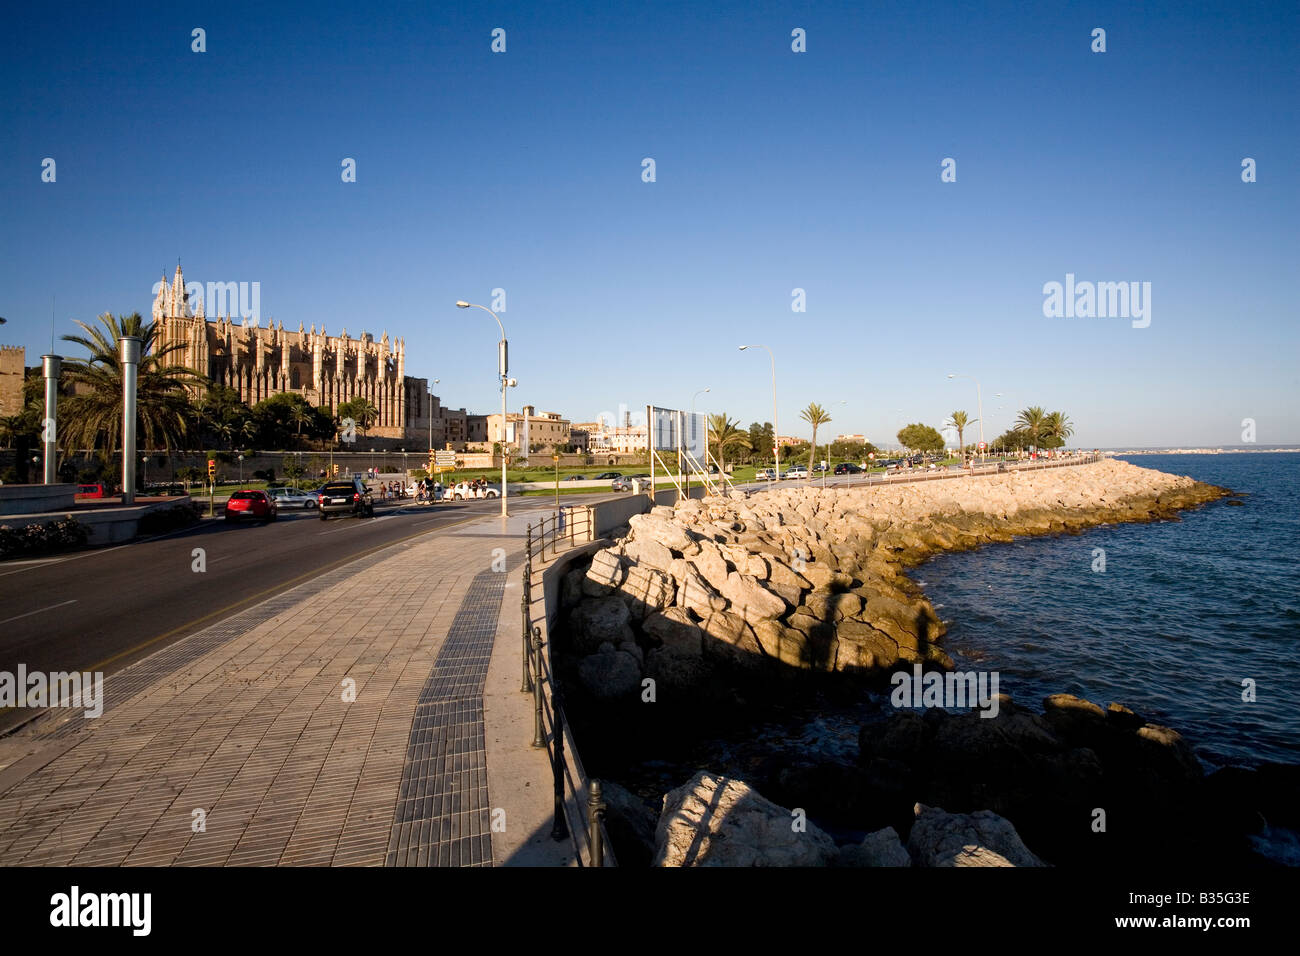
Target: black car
x=609, y=475
x=847, y=468
x=346, y=497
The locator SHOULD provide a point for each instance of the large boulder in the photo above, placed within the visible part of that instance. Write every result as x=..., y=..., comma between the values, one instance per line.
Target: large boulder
x=731, y=640
x=750, y=599
x=596, y=621
x=605, y=574
x=646, y=590
x=983, y=838
x=662, y=530
x=882, y=848
x=648, y=552
x=610, y=674
x=714, y=820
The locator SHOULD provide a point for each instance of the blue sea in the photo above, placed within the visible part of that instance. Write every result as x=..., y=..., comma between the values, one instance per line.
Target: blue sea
x=1183, y=614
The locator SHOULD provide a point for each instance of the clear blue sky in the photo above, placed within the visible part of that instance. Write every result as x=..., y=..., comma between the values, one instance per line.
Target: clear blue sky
x=775, y=170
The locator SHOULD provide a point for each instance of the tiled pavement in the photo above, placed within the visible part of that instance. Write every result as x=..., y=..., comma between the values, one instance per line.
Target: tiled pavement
x=237, y=745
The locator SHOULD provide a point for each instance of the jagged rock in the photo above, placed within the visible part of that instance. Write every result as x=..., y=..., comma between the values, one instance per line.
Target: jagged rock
x=571, y=588
x=983, y=838
x=882, y=848
x=676, y=631
x=714, y=820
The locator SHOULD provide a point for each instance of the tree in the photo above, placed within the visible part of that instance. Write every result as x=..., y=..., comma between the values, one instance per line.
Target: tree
x=1031, y=421
x=1057, y=428
x=814, y=415
x=723, y=434
x=922, y=438
x=756, y=446
x=360, y=410
x=94, y=416
x=959, y=421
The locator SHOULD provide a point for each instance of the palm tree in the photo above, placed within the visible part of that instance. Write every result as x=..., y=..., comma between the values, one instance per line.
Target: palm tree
x=162, y=401
x=814, y=415
x=1031, y=421
x=959, y=421
x=723, y=433
x=1057, y=427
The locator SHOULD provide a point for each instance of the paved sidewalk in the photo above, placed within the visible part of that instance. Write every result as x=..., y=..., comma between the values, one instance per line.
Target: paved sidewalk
x=337, y=723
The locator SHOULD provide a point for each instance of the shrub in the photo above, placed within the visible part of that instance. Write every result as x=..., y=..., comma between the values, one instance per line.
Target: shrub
x=42, y=538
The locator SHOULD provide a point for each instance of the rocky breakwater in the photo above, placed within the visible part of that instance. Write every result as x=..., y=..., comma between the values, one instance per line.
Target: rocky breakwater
x=705, y=596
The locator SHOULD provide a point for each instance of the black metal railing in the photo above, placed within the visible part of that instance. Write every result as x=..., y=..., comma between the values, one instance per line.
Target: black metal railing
x=565, y=528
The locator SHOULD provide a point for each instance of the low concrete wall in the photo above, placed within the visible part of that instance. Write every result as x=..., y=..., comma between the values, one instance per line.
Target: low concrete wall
x=109, y=525
x=36, y=499
x=575, y=776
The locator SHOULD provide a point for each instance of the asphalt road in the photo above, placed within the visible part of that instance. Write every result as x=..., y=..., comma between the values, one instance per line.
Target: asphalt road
x=103, y=609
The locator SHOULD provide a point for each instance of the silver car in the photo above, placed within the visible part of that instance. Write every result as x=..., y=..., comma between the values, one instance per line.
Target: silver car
x=291, y=498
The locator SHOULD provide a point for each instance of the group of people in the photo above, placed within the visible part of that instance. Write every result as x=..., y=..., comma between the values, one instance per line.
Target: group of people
x=391, y=489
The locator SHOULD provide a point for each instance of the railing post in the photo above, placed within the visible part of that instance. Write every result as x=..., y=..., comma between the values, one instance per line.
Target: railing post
x=560, y=828
x=539, y=733
x=526, y=683
x=595, y=813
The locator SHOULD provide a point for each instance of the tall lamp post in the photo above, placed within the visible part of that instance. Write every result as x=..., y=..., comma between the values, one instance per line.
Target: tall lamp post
x=51, y=366
x=503, y=365
x=435, y=382
x=129, y=355
x=776, y=425
x=979, y=398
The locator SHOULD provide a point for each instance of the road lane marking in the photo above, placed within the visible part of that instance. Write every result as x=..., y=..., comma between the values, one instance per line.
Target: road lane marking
x=39, y=611
x=263, y=594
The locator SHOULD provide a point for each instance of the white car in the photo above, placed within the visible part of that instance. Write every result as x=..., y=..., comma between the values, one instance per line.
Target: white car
x=464, y=491
x=765, y=474
x=798, y=471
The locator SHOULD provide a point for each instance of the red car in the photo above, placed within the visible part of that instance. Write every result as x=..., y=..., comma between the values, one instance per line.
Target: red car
x=90, y=491
x=250, y=504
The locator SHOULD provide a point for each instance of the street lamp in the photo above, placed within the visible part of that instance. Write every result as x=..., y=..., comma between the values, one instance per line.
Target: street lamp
x=776, y=425
x=980, y=399
x=241, y=469
x=144, y=473
x=435, y=382
x=503, y=365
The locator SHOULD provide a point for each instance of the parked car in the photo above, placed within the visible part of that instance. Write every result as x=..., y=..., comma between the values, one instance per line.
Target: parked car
x=464, y=490
x=90, y=491
x=765, y=474
x=248, y=503
x=576, y=478
x=847, y=468
x=624, y=482
x=292, y=498
x=347, y=497
x=608, y=475
x=798, y=471
x=820, y=466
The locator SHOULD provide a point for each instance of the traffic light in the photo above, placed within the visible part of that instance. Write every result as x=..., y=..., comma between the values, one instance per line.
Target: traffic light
x=336, y=469
x=212, y=469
